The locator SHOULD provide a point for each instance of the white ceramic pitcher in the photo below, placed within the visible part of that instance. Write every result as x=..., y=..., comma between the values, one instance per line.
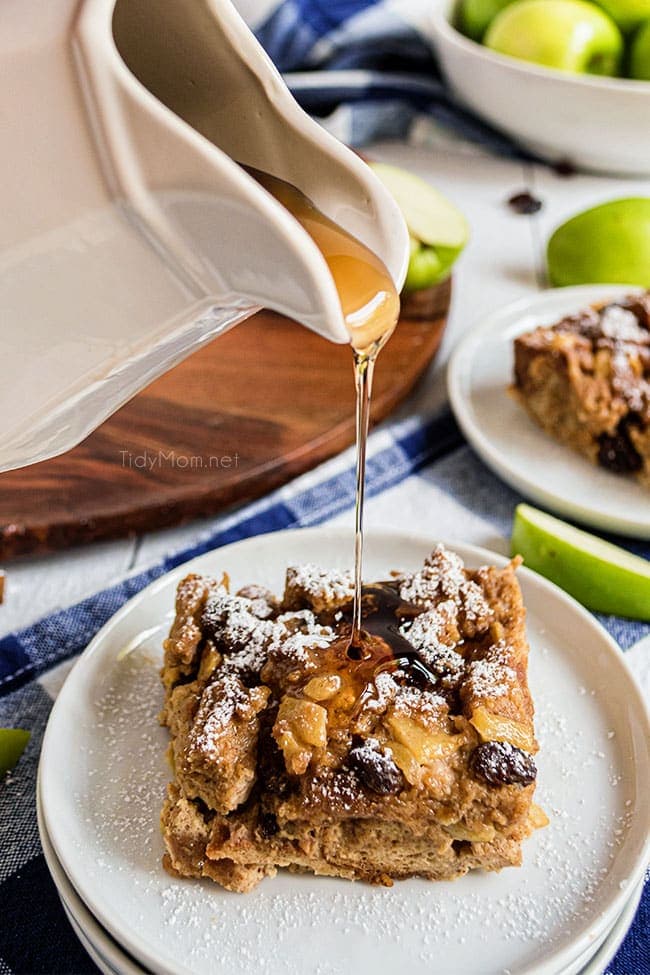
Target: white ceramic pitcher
x=129, y=236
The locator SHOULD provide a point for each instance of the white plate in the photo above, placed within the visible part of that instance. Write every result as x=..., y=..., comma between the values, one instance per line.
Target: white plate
x=596, y=958
x=480, y=371
x=599, y=962
x=107, y=955
x=103, y=776
x=95, y=955
x=110, y=958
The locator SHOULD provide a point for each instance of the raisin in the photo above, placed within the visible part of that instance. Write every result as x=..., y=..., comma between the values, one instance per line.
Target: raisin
x=268, y=825
x=524, y=203
x=564, y=167
x=375, y=769
x=271, y=772
x=500, y=763
x=616, y=452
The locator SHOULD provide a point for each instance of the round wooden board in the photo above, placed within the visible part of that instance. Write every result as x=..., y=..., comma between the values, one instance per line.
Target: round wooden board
x=260, y=405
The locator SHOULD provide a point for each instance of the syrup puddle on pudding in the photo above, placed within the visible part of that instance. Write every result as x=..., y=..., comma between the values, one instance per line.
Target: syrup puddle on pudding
x=370, y=305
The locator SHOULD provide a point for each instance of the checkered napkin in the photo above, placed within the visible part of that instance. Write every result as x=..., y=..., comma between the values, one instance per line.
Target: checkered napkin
x=367, y=69
x=421, y=477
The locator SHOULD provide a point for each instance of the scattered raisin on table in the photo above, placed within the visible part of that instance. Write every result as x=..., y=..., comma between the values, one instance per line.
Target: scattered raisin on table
x=524, y=203
x=564, y=167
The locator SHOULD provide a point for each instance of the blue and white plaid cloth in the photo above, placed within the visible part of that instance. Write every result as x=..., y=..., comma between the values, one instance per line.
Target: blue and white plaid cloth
x=422, y=470
x=368, y=67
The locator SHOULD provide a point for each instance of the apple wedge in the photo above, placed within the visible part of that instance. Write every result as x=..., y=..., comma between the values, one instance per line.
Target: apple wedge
x=430, y=218
x=13, y=742
x=424, y=269
x=437, y=229
x=601, y=576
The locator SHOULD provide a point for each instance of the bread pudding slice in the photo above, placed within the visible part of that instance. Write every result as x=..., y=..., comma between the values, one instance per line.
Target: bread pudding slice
x=409, y=754
x=586, y=381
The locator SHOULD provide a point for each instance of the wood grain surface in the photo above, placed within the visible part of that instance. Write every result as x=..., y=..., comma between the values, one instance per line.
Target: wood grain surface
x=260, y=405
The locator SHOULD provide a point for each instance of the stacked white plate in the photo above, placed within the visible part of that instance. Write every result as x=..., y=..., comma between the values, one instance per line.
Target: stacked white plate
x=564, y=912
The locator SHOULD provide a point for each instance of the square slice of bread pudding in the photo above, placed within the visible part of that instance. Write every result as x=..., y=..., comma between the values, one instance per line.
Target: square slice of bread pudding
x=586, y=381
x=409, y=754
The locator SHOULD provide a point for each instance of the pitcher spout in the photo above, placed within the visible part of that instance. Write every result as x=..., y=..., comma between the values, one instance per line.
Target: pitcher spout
x=210, y=98
x=131, y=234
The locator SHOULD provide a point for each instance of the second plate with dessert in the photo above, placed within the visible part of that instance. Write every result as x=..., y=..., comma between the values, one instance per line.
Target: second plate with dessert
x=102, y=809
x=517, y=449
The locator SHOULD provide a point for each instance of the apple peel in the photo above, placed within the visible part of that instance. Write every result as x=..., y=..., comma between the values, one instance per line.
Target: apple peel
x=603, y=577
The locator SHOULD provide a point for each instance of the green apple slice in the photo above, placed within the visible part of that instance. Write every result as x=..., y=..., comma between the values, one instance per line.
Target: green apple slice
x=430, y=218
x=425, y=269
x=13, y=742
x=601, y=576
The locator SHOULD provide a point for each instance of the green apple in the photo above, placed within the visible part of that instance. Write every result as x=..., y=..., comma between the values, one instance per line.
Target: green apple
x=601, y=576
x=628, y=14
x=640, y=53
x=438, y=231
x=429, y=216
x=608, y=244
x=13, y=742
x=424, y=269
x=570, y=35
x=475, y=16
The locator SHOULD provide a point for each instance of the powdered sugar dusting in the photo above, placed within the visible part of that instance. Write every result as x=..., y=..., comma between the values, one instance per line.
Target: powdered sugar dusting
x=389, y=689
x=443, y=578
x=622, y=325
x=340, y=789
x=221, y=703
x=386, y=689
x=427, y=631
x=233, y=618
x=330, y=586
x=425, y=703
x=240, y=626
x=491, y=676
x=620, y=332
x=192, y=587
x=372, y=750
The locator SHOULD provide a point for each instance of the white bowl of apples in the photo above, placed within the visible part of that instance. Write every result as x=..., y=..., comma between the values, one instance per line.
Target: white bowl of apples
x=542, y=71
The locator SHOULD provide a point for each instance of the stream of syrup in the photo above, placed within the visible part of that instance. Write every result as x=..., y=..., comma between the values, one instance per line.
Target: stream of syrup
x=382, y=644
x=370, y=306
x=382, y=647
